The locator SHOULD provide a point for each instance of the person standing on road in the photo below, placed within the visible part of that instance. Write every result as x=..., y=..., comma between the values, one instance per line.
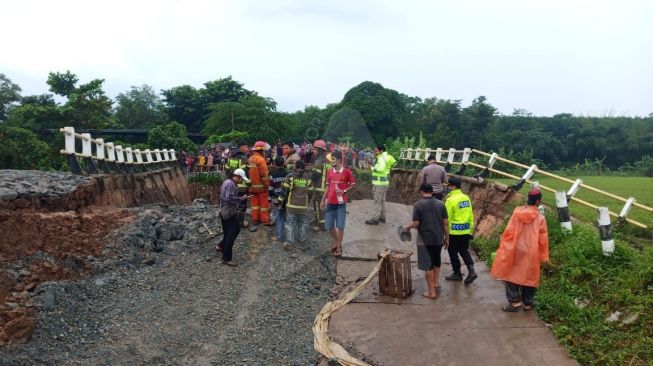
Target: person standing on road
x=238, y=160
x=435, y=175
x=259, y=176
x=524, y=246
x=229, y=202
x=340, y=180
x=277, y=177
x=430, y=220
x=380, y=183
x=319, y=170
x=297, y=188
x=461, y=227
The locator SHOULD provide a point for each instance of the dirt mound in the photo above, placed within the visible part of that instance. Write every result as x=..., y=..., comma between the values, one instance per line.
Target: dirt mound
x=38, y=247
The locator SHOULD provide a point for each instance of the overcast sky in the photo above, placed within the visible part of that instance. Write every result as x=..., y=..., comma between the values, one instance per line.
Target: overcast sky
x=589, y=57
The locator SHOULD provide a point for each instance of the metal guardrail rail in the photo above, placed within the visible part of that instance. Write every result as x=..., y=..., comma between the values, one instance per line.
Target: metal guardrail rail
x=109, y=158
x=420, y=155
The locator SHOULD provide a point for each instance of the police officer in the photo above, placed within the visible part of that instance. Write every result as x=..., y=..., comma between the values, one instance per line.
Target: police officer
x=380, y=183
x=461, y=227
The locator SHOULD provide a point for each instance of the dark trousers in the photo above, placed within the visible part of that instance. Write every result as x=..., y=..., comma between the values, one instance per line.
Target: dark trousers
x=513, y=293
x=459, y=244
x=231, y=229
x=439, y=195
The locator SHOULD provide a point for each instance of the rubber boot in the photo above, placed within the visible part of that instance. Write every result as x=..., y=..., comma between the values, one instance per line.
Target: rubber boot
x=454, y=277
x=471, y=276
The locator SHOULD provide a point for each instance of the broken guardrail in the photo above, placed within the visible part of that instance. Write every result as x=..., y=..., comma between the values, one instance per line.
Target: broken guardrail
x=99, y=157
x=456, y=157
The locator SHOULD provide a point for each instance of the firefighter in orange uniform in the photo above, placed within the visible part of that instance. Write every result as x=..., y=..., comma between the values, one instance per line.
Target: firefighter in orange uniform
x=259, y=176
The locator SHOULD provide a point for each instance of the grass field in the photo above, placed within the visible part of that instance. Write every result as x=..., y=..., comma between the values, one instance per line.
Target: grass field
x=639, y=187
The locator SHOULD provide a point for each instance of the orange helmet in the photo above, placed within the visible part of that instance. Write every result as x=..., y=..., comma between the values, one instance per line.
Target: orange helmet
x=320, y=144
x=259, y=145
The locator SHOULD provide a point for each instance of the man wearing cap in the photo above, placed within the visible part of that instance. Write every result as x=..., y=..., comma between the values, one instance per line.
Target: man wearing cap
x=461, y=227
x=430, y=220
x=435, y=175
x=229, y=202
x=524, y=246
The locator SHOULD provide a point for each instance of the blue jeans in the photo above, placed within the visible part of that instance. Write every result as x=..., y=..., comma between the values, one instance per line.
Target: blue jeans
x=297, y=224
x=279, y=222
x=335, y=216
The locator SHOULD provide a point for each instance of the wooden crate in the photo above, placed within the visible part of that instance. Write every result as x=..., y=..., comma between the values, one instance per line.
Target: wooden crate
x=394, y=276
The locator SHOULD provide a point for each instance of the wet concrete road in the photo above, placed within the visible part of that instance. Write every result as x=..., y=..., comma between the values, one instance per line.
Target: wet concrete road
x=463, y=326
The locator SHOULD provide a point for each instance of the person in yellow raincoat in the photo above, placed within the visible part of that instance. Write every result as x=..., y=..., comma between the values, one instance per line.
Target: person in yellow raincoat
x=523, y=248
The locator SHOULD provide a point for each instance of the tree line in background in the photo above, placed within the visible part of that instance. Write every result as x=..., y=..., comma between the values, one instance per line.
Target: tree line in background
x=224, y=110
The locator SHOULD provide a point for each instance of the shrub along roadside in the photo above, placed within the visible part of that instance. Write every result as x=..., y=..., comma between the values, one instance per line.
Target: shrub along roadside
x=578, y=274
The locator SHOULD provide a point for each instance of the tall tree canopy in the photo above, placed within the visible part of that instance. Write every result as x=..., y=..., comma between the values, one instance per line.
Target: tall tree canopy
x=140, y=107
x=9, y=94
x=87, y=106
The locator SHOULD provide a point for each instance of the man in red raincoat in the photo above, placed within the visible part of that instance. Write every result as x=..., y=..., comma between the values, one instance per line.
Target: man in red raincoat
x=523, y=248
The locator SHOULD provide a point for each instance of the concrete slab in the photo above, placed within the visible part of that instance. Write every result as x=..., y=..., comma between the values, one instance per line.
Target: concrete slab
x=463, y=326
x=366, y=241
x=446, y=334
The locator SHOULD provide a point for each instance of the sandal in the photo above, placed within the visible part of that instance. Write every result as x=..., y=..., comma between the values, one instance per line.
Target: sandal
x=337, y=253
x=510, y=308
x=528, y=307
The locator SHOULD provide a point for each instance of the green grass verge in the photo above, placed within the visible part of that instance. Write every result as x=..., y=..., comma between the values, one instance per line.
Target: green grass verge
x=639, y=187
x=579, y=270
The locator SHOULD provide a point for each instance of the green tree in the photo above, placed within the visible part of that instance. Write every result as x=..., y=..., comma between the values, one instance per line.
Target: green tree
x=223, y=90
x=35, y=113
x=183, y=104
x=253, y=115
x=170, y=136
x=140, y=107
x=382, y=109
x=231, y=136
x=87, y=107
x=347, y=124
x=21, y=149
x=9, y=94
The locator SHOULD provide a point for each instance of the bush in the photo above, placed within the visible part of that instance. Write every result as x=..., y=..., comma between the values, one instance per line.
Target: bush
x=21, y=149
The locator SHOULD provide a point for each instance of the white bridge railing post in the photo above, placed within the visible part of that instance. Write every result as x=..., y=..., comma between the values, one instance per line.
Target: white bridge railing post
x=116, y=159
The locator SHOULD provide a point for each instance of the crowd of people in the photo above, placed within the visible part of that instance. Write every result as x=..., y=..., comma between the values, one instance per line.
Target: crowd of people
x=214, y=158
x=290, y=187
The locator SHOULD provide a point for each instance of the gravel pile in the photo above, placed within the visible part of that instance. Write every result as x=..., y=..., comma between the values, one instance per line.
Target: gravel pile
x=159, y=295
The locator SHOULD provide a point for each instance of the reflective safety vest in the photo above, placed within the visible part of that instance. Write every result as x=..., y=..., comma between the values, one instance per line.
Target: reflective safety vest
x=381, y=170
x=236, y=162
x=460, y=213
x=320, y=171
x=297, y=188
